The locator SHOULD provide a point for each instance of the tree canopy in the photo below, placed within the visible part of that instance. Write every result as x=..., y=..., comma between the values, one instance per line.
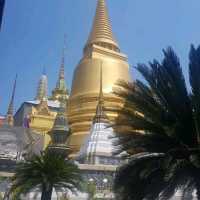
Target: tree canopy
x=160, y=123
x=44, y=173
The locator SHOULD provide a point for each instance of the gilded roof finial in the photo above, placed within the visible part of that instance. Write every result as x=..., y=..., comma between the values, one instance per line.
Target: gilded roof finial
x=62, y=69
x=101, y=85
x=60, y=92
x=42, y=90
x=60, y=84
x=10, y=112
x=100, y=116
x=62, y=66
x=101, y=33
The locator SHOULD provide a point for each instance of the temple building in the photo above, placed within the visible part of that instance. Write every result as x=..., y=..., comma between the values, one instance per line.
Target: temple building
x=40, y=113
x=16, y=142
x=101, y=51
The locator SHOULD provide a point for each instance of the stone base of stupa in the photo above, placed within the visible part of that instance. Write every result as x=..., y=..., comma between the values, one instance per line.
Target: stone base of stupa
x=102, y=177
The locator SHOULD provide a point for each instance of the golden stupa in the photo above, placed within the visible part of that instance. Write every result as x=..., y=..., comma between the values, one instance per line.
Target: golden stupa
x=100, y=51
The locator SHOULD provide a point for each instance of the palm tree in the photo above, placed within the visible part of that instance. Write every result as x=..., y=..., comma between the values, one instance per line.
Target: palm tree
x=46, y=172
x=159, y=128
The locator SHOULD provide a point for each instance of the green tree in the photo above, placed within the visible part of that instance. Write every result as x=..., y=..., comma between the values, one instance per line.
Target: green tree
x=91, y=190
x=46, y=172
x=159, y=129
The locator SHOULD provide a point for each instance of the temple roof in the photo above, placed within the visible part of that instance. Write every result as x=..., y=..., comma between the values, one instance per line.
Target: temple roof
x=101, y=33
x=53, y=104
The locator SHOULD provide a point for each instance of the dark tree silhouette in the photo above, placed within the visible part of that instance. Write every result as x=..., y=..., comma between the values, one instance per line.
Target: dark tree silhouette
x=2, y=4
x=159, y=128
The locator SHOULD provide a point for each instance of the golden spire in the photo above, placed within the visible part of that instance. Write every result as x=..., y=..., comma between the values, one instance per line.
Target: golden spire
x=62, y=68
x=101, y=47
x=10, y=112
x=101, y=33
x=60, y=85
x=101, y=86
x=60, y=92
x=42, y=90
x=100, y=115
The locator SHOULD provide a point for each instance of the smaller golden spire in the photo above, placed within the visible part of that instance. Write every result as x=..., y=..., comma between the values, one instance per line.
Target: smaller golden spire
x=60, y=92
x=101, y=99
x=101, y=33
x=62, y=69
x=61, y=78
x=42, y=90
x=100, y=115
x=10, y=112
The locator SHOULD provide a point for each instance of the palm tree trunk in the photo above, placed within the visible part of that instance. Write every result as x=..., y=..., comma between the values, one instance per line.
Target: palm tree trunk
x=47, y=193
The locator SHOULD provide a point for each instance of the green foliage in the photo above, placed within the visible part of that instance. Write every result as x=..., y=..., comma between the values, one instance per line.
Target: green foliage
x=160, y=121
x=15, y=195
x=45, y=172
x=2, y=178
x=90, y=189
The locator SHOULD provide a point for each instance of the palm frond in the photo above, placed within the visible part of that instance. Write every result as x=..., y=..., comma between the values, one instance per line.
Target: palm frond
x=194, y=71
x=159, y=116
x=134, y=186
x=46, y=169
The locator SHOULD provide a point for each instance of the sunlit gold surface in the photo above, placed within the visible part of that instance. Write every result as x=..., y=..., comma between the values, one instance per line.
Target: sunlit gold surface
x=101, y=30
x=101, y=50
x=85, y=91
x=42, y=125
x=42, y=120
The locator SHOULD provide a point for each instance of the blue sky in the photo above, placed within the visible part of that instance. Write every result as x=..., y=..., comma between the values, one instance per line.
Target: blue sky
x=33, y=30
